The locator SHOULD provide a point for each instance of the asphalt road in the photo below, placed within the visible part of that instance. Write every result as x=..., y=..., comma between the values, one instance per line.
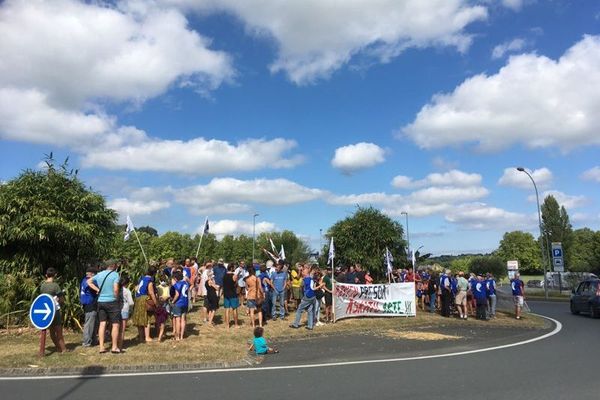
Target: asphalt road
x=563, y=366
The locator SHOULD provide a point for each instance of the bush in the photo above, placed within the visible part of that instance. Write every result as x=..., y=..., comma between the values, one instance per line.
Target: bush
x=485, y=264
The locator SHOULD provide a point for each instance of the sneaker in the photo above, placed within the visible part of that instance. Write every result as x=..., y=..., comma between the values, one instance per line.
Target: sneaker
x=274, y=319
x=308, y=328
x=319, y=323
x=294, y=326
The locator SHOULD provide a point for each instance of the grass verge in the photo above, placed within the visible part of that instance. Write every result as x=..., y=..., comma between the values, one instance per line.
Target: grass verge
x=204, y=344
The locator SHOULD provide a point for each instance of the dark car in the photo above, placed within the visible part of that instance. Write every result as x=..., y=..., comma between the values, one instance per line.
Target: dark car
x=586, y=298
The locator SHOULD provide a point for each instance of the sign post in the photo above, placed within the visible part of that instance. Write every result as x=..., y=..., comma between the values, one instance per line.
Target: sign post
x=558, y=262
x=513, y=267
x=41, y=314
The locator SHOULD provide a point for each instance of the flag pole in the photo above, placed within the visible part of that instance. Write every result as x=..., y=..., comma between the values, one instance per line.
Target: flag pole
x=201, y=236
x=332, y=280
x=141, y=247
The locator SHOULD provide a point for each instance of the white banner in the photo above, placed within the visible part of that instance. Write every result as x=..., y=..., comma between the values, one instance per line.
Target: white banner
x=383, y=300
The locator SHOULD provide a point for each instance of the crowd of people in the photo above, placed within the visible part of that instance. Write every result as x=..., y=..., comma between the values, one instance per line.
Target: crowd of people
x=168, y=292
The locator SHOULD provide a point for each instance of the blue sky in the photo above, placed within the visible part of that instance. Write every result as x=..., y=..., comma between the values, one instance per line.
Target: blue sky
x=178, y=109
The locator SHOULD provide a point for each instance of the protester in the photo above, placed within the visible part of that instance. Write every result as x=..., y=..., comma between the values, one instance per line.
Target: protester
x=446, y=294
x=106, y=283
x=230, y=301
x=432, y=290
x=194, y=279
x=461, y=297
x=87, y=298
x=308, y=301
x=212, y=303
x=351, y=275
x=242, y=273
x=145, y=304
x=127, y=303
x=259, y=344
x=254, y=297
x=278, y=284
x=56, y=331
x=518, y=292
x=471, y=303
x=317, y=277
x=179, y=298
x=265, y=281
x=480, y=294
x=296, y=279
x=491, y=289
x=368, y=278
x=328, y=288
x=219, y=272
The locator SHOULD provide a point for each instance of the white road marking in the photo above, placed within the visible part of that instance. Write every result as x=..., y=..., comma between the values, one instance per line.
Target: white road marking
x=556, y=330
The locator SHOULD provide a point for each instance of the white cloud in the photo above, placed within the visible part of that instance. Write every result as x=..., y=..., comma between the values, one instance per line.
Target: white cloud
x=236, y=227
x=515, y=5
x=435, y=195
x=358, y=156
x=137, y=207
x=209, y=156
x=533, y=100
x=74, y=51
x=510, y=46
x=511, y=177
x=592, y=174
x=316, y=37
x=231, y=195
x=566, y=200
x=450, y=179
x=480, y=216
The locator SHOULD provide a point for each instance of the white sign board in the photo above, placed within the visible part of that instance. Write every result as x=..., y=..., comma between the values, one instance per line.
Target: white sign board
x=557, y=257
x=383, y=300
x=512, y=265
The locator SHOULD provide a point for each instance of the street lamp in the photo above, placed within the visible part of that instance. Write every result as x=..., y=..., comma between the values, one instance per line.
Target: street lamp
x=407, y=237
x=254, y=235
x=544, y=255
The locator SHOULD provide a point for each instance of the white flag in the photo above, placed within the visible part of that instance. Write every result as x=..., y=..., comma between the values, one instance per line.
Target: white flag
x=129, y=228
x=273, y=246
x=206, y=227
x=282, y=253
x=412, y=257
x=331, y=251
x=388, y=260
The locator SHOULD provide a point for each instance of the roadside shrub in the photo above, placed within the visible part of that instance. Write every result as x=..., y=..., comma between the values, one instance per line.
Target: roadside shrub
x=484, y=264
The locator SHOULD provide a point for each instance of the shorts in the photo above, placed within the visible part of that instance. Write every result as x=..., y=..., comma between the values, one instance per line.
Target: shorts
x=251, y=304
x=519, y=301
x=461, y=298
x=57, y=321
x=296, y=293
x=110, y=311
x=124, y=315
x=233, y=302
x=178, y=311
x=328, y=299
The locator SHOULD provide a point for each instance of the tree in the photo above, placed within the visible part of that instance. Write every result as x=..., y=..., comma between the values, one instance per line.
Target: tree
x=147, y=229
x=363, y=237
x=460, y=264
x=296, y=250
x=556, y=228
x=484, y=264
x=521, y=246
x=50, y=219
x=585, y=251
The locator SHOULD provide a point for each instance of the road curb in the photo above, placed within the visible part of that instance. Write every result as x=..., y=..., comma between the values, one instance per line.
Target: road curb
x=95, y=370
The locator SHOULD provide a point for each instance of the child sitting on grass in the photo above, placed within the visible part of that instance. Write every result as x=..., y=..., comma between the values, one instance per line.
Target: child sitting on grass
x=259, y=344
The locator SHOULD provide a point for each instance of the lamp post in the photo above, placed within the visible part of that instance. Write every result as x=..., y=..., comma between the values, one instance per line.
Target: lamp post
x=407, y=237
x=254, y=235
x=544, y=255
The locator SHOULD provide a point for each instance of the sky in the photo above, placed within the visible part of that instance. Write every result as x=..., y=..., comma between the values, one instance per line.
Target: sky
x=299, y=111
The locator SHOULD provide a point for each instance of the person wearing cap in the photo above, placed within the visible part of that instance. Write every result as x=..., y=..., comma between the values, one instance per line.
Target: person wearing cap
x=87, y=298
x=518, y=291
x=462, y=286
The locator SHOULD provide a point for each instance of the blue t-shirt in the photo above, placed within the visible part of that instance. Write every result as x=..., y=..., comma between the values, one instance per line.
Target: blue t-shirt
x=86, y=294
x=181, y=287
x=308, y=292
x=219, y=272
x=260, y=345
x=187, y=272
x=279, y=280
x=262, y=276
x=143, y=286
x=490, y=284
x=516, y=286
x=479, y=290
x=444, y=282
x=107, y=294
x=454, y=286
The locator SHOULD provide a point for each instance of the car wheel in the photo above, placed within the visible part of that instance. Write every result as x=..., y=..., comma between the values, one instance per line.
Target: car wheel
x=594, y=313
x=573, y=310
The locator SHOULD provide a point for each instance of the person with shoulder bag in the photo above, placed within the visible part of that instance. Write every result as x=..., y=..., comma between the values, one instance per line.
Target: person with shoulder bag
x=254, y=296
x=145, y=305
x=89, y=301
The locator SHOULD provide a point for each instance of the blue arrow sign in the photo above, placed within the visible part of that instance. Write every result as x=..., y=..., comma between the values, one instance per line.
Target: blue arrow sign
x=42, y=311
